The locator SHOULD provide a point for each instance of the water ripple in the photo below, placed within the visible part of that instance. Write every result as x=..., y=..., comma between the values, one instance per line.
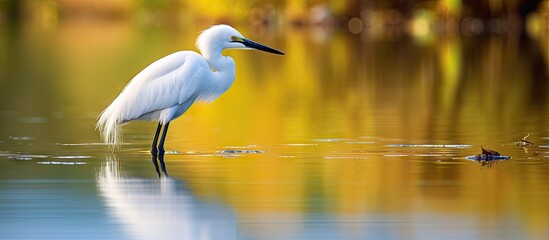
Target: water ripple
x=239, y=151
x=300, y=144
x=61, y=163
x=328, y=140
x=345, y=157
x=21, y=138
x=71, y=157
x=430, y=145
x=396, y=155
x=22, y=156
x=358, y=142
x=87, y=144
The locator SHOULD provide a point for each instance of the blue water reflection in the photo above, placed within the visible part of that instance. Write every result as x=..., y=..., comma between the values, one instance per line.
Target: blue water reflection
x=164, y=208
x=53, y=209
x=160, y=208
x=121, y=201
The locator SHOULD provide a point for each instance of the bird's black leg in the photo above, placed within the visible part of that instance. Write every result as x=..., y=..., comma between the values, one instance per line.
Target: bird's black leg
x=161, y=144
x=154, y=151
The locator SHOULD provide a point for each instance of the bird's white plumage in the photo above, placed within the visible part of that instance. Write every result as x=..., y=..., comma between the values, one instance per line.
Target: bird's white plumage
x=165, y=89
x=169, y=86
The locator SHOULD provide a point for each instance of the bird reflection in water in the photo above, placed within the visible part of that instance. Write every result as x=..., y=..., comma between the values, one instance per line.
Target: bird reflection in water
x=160, y=169
x=160, y=208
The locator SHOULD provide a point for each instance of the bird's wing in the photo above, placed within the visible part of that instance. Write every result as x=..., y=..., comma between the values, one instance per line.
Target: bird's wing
x=167, y=82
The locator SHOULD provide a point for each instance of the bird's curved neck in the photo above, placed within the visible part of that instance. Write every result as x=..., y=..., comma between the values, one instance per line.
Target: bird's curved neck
x=215, y=59
x=223, y=68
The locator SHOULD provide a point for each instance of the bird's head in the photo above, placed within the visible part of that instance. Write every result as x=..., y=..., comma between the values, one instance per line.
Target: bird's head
x=219, y=37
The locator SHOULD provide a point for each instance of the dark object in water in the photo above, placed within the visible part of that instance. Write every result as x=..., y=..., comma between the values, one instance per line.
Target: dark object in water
x=489, y=152
x=524, y=142
x=483, y=157
x=488, y=155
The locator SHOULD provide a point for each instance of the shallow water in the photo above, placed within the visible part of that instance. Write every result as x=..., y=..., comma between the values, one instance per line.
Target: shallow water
x=345, y=137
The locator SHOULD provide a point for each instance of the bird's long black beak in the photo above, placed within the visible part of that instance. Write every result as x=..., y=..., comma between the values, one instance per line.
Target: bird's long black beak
x=252, y=44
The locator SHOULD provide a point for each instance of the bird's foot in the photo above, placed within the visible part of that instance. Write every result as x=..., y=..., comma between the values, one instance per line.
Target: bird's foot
x=161, y=150
x=157, y=151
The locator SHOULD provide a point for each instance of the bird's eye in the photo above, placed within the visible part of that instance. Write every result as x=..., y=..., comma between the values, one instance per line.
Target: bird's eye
x=236, y=39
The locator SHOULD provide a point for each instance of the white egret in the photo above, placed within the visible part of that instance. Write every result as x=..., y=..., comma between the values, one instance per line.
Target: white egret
x=164, y=90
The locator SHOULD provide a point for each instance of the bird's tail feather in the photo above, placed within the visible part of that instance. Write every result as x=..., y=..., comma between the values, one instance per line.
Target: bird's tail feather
x=109, y=128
